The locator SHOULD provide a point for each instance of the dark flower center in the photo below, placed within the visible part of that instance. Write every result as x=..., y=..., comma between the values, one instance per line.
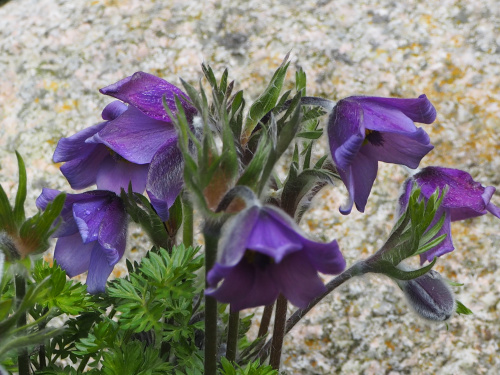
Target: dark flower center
x=258, y=259
x=115, y=156
x=374, y=137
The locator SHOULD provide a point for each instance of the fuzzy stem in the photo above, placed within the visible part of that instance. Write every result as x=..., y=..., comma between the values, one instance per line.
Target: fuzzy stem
x=355, y=270
x=187, y=225
x=266, y=320
x=23, y=360
x=232, y=336
x=278, y=332
x=211, y=234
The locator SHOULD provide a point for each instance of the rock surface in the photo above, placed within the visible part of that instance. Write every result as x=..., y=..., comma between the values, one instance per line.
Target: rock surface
x=55, y=54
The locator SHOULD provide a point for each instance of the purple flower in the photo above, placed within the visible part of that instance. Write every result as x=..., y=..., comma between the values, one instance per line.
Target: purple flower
x=91, y=232
x=137, y=143
x=264, y=253
x=365, y=130
x=465, y=199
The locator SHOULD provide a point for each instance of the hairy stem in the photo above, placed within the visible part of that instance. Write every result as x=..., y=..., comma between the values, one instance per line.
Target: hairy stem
x=232, y=336
x=187, y=225
x=278, y=332
x=211, y=233
x=23, y=360
x=266, y=320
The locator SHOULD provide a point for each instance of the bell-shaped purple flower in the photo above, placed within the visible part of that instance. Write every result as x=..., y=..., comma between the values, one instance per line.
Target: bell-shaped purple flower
x=91, y=232
x=264, y=253
x=365, y=130
x=465, y=199
x=137, y=143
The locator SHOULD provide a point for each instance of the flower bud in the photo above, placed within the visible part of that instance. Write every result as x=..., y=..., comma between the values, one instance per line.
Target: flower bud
x=430, y=296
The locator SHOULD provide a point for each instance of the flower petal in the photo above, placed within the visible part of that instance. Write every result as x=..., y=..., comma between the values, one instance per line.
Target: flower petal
x=463, y=191
x=82, y=172
x=135, y=136
x=74, y=147
x=346, y=132
x=113, y=110
x=325, y=257
x=298, y=280
x=89, y=214
x=400, y=148
x=246, y=286
x=359, y=180
x=165, y=178
x=145, y=92
x=235, y=233
x=113, y=175
x=273, y=237
x=418, y=110
x=113, y=231
x=72, y=255
x=99, y=270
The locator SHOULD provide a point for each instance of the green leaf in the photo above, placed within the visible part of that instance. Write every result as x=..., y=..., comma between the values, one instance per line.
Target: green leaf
x=300, y=81
x=388, y=269
x=462, y=309
x=266, y=101
x=316, y=134
x=140, y=210
x=21, y=191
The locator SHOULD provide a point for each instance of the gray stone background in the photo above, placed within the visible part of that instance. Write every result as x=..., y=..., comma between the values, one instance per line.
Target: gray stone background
x=55, y=54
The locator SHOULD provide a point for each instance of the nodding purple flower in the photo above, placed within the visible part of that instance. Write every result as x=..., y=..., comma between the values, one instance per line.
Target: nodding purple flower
x=365, y=130
x=91, y=232
x=465, y=199
x=264, y=253
x=137, y=143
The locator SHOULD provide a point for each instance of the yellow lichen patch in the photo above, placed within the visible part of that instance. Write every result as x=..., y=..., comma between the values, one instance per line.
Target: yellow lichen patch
x=390, y=345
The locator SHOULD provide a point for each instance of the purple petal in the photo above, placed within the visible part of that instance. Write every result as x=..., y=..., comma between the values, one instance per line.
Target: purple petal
x=400, y=148
x=235, y=233
x=82, y=173
x=464, y=192
x=418, y=110
x=325, y=257
x=165, y=178
x=246, y=286
x=273, y=237
x=447, y=245
x=346, y=132
x=99, y=270
x=404, y=198
x=113, y=110
x=72, y=254
x=113, y=175
x=145, y=92
x=66, y=222
x=113, y=231
x=74, y=147
x=493, y=209
x=135, y=136
x=298, y=280
x=359, y=180
x=90, y=213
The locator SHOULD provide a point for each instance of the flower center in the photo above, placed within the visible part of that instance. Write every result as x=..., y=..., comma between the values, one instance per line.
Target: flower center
x=258, y=259
x=374, y=137
x=115, y=156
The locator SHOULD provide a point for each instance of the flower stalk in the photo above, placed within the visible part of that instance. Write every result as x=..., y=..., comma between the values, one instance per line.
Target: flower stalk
x=278, y=332
x=232, y=336
x=23, y=360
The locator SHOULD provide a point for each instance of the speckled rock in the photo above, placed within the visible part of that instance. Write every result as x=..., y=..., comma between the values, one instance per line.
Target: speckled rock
x=55, y=54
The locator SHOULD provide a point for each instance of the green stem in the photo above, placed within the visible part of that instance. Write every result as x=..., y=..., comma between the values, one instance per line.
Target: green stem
x=23, y=360
x=278, y=332
x=232, y=336
x=266, y=320
x=211, y=233
x=187, y=225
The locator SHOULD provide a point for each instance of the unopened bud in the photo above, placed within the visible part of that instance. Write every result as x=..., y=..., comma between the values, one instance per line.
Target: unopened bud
x=8, y=247
x=430, y=296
